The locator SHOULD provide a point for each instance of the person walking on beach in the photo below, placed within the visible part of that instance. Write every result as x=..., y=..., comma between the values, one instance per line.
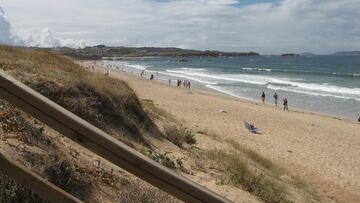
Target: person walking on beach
x=169, y=82
x=276, y=99
x=359, y=118
x=285, y=103
x=263, y=97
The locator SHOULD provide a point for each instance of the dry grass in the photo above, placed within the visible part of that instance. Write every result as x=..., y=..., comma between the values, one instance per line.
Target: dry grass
x=253, y=170
x=254, y=156
x=107, y=103
x=140, y=192
x=156, y=112
x=180, y=135
x=274, y=170
x=237, y=172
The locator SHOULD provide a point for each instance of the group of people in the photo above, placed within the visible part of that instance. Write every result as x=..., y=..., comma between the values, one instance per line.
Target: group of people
x=185, y=83
x=276, y=97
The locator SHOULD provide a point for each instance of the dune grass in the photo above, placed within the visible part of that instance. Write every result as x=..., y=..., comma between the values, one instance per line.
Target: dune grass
x=275, y=170
x=238, y=172
x=156, y=112
x=107, y=103
x=256, y=157
x=180, y=135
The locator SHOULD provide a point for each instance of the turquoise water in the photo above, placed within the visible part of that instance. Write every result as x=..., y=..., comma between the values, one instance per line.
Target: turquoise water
x=326, y=84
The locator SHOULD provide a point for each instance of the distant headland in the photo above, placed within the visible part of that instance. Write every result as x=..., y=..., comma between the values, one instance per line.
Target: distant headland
x=99, y=51
x=290, y=54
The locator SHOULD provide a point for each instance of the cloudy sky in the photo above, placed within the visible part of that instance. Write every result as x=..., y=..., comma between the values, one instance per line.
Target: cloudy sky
x=265, y=26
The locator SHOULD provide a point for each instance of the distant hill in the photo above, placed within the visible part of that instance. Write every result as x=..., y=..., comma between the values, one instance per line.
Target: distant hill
x=290, y=54
x=347, y=53
x=99, y=51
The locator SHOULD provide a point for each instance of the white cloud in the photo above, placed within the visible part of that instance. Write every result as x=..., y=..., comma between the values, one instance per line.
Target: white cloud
x=286, y=25
x=33, y=38
x=45, y=38
x=6, y=37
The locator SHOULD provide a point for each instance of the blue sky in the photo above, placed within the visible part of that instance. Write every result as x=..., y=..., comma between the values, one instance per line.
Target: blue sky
x=268, y=27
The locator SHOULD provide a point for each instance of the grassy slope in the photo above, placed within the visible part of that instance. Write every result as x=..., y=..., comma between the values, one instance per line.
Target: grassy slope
x=107, y=103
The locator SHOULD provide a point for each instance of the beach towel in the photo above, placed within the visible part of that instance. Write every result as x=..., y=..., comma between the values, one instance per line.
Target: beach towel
x=250, y=127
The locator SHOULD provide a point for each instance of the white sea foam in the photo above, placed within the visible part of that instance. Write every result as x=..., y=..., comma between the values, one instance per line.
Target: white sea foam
x=193, y=69
x=289, y=84
x=251, y=79
x=303, y=72
x=327, y=88
x=258, y=69
x=189, y=78
x=293, y=89
x=222, y=90
x=136, y=66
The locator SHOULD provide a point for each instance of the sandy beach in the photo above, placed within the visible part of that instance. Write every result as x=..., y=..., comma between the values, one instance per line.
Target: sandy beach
x=322, y=150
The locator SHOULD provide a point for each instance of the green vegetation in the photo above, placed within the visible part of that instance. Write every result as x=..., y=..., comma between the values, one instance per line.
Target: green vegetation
x=162, y=158
x=10, y=191
x=238, y=172
x=70, y=177
x=180, y=135
x=12, y=121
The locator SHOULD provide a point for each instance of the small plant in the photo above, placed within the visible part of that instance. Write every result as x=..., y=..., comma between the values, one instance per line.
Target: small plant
x=69, y=177
x=163, y=159
x=180, y=135
x=10, y=191
x=179, y=162
x=190, y=138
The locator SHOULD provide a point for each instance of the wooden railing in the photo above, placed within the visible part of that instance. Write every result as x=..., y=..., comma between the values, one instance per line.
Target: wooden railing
x=100, y=143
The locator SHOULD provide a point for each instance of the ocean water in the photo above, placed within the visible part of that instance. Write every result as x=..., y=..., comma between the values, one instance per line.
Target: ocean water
x=325, y=84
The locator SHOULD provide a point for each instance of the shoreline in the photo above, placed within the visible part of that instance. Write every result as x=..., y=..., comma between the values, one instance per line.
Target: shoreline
x=210, y=88
x=207, y=90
